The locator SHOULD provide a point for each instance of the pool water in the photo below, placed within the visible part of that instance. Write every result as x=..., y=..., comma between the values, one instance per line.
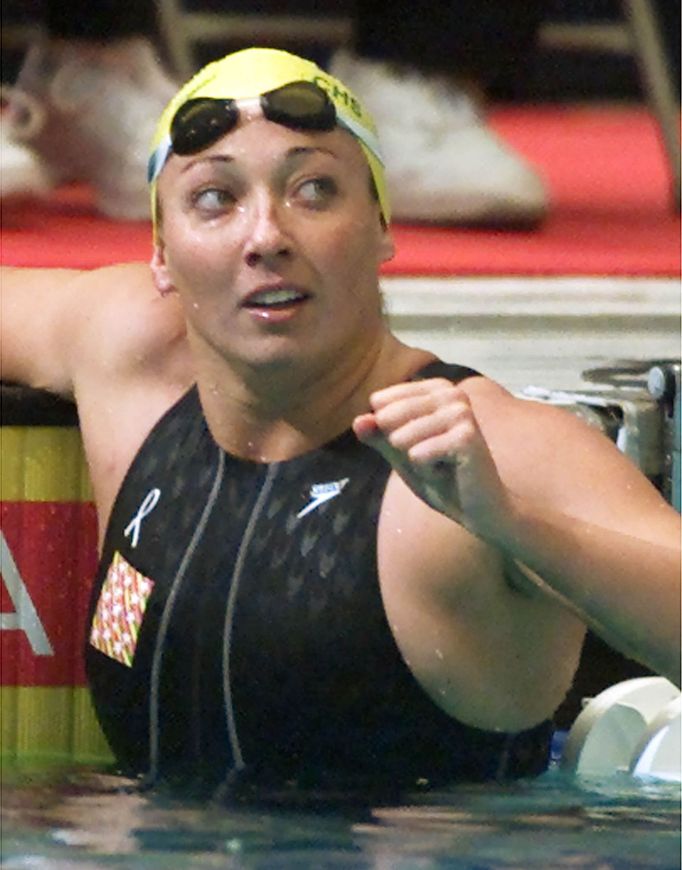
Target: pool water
x=88, y=820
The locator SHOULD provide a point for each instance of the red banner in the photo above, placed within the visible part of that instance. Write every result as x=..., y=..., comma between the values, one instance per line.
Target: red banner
x=49, y=560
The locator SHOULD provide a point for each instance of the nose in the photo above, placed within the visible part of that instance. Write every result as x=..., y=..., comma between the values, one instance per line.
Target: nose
x=267, y=242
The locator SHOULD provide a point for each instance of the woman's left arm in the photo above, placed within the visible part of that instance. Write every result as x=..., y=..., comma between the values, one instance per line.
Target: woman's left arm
x=554, y=495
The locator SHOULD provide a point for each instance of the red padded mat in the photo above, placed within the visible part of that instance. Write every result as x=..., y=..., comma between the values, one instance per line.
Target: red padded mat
x=604, y=166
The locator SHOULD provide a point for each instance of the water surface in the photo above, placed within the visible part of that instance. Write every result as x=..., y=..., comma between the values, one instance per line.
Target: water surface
x=90, y=821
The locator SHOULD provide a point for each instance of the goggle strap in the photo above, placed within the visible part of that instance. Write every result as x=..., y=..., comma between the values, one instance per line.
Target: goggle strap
x=158, y=159
x=361, y=133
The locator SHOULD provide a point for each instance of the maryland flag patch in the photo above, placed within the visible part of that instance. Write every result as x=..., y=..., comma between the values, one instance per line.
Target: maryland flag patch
x=120, y=610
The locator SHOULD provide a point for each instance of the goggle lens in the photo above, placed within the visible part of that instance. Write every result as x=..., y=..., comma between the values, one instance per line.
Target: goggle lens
x=199, y=123
x=299, y=105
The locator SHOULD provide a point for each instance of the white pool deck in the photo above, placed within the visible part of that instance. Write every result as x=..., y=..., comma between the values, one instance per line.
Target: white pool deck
x=538, y=331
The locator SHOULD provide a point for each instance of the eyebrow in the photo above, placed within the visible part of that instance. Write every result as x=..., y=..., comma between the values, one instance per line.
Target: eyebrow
x=293, y=155
x=212, y=158
x=304, y=150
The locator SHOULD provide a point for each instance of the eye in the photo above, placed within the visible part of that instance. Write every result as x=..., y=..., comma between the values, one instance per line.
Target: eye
x=213, y=199
x=317, y=192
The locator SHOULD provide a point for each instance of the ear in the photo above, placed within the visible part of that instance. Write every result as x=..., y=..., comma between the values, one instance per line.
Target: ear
x=386, y=246
x=160, y=274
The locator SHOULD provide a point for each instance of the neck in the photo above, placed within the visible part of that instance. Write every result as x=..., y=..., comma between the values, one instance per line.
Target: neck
x=273, y=413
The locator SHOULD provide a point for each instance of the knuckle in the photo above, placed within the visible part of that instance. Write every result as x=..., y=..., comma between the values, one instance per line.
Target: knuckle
x=467, y=431
x=385, y=418
x=452, y=414
x=376, y=400
x=447, y=392
x=397, y=441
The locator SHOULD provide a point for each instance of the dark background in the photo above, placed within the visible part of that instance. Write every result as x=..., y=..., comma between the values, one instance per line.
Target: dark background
x=545, y=75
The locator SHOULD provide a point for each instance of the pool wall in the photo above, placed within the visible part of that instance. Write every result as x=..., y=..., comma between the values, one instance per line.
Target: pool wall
x=48, y=552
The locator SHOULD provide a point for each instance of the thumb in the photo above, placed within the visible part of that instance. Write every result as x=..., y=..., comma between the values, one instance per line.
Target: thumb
x=365, y=428
x=367, y=431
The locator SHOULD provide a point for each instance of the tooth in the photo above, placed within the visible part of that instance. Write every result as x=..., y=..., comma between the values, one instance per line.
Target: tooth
x=274, y=296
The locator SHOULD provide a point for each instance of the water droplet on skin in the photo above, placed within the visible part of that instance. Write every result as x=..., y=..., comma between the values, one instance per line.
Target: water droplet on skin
x=195, y=305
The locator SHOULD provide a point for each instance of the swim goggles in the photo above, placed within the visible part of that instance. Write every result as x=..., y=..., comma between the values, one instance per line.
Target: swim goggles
x=300, y=105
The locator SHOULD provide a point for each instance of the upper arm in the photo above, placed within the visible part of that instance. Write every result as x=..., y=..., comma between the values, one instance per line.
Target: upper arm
x=465, y=633
x=39, y=312
x=60, y=325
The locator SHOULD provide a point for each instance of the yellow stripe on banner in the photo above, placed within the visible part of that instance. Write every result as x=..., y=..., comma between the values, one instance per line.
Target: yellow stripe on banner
x=43, y=463
x=50, y=724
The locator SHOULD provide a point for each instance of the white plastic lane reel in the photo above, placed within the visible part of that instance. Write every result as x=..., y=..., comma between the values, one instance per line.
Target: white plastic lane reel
x=633, y=726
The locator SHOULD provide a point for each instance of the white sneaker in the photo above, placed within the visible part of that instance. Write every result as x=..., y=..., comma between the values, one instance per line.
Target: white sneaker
x=21, y=173
x=443, y=164
x=100, y=105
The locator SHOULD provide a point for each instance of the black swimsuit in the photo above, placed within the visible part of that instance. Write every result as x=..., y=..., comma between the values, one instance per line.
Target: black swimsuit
x=237, y=623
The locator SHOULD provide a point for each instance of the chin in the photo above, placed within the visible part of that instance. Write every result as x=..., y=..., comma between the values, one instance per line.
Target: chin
x=275, y=358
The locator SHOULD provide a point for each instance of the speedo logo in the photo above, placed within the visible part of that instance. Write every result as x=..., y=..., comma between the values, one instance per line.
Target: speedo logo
x=322, y=492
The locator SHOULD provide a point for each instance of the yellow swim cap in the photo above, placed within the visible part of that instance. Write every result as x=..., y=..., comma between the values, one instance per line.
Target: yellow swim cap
x=256, y=71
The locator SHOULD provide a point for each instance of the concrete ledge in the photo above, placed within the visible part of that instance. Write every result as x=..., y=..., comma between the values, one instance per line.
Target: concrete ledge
x=539, y=331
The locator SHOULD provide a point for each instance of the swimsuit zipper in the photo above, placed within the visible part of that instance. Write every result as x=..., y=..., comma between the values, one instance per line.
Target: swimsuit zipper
x=229, y=614
x=157, y=661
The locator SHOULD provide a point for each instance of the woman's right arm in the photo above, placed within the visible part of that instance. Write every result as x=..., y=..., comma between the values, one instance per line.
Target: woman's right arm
x=104, y=338
x=58, y=326
x=40, y=310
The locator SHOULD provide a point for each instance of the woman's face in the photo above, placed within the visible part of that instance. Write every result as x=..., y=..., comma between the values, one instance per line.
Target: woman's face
x=273, y=240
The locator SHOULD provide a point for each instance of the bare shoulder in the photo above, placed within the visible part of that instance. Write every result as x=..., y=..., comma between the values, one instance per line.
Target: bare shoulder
x=60, y=323
x=507, y=419
x=551, y=456
x=106, y=339
x=126, y=324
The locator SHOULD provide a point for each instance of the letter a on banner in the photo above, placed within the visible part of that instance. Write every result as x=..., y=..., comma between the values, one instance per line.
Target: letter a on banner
x=25, y=618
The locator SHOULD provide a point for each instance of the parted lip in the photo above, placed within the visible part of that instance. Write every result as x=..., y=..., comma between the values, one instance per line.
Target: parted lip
x=260, y=293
